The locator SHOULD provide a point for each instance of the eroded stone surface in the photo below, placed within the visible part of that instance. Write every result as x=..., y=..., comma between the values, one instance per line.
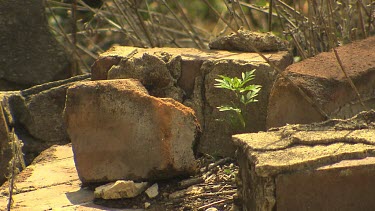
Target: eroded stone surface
x=51, y=183
x=243, y=39
x=36, y=115
x=30, y=53
x=323, y=80
x=114, y=123
x=333, y=187
x=298, y=152
x=187, y=75
x=43, y=109
x=5, y=146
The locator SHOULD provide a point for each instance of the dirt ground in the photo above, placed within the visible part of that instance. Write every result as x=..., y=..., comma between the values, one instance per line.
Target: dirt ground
x=213, y=187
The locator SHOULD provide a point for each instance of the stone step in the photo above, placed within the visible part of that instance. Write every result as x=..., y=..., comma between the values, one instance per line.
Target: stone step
x=323, y=166
x=51, y=183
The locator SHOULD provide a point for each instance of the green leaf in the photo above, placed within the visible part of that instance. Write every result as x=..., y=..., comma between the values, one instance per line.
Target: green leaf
x=245, y=94
x=227, y=171
x=228, y=108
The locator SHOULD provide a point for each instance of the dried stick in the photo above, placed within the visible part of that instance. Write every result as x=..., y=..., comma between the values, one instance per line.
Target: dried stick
x=195, y=35
x=270, y=16
x=349, y=79
x=13, y=161
x=66, y=36
x=180, y=22
x=243, y=14
x=215, y=203
x=227, y=192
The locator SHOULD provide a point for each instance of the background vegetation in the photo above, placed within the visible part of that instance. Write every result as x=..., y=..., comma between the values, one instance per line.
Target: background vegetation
x=89, y=27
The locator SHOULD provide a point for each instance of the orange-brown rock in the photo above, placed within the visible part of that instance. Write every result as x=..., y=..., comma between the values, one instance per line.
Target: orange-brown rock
x=118, y=131
x=322, y=79
x=188, y=76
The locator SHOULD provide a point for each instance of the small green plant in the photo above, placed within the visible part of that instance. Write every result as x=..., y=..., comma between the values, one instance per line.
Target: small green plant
x=244, y=93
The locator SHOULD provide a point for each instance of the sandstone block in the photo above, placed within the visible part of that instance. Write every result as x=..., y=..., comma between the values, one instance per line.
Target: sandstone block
x=42, y=109
x=36, y=115
x=322, y=166
x=323, y=80
x=243, y=39
x=118, y=132
x=187, y=75
x=30, y=53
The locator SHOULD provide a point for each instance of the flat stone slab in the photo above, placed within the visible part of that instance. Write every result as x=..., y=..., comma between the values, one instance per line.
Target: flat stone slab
x=50, y=183
x=296, y=156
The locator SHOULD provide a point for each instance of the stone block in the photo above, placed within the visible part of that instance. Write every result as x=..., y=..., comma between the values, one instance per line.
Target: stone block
x=322, y=79
x=243, y=39
x=30, y=53
x=118, y=131
x=187, y=75
x=322, y=166
x=42, y=109
x=36, y=115
x=346, y=185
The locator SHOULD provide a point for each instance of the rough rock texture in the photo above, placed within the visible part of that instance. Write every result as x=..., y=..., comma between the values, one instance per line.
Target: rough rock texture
x=309, y=167
x=36, y=115
x=113, y=124
x=5, y=150
x=44, y=105
x=322, y=79
x=30, y=53
x=51, y=183
x=187, y=75
x=157, y=72
x=152, y=191
x=243, y=39
x=120, y=189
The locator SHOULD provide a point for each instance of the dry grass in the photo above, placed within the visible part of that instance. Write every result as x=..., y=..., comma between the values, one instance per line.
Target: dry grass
x=312, y=26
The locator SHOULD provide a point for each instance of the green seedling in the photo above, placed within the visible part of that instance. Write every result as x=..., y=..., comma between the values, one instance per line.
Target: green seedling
x=244, y=93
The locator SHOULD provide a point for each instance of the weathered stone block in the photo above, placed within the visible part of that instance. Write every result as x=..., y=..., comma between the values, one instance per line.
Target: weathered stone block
x=243, y=39
x=323, y=80
x=5, y=146
x=187, y=75
x=30, y=55
x=309, y=167
x=119, y=132
x=42, y=109
x=36, y=115
x=346, y=185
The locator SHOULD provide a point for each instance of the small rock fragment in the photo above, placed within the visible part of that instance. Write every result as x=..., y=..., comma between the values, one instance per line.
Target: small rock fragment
x=120, y=189
x=147, y=204
x=212, y=209
x=152, y=191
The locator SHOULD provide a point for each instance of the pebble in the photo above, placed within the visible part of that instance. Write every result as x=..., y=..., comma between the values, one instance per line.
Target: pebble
x=152, y=191
x=147, y=205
